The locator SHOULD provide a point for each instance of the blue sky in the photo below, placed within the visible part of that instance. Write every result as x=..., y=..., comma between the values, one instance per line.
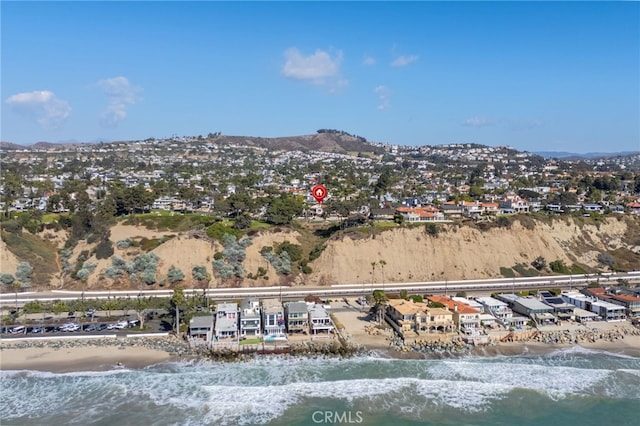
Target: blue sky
x=560, y=76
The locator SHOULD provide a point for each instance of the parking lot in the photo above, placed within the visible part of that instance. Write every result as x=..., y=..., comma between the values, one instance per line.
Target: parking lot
x=90, y=323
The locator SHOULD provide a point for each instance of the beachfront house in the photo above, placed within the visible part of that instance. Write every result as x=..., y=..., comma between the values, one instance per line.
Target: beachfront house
x=406, y=316
x=465, y=318
x=605, y=310
x=297, y=317
x=226, y=316
x=497, y=308
x=561, y=309
x=539, y=312
x=250, y=322
x=273, y=319
x=631, y=303
x=319, y=320
x=201, y=328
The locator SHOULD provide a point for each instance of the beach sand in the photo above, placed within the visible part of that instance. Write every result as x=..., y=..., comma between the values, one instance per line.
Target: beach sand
x=89, y=358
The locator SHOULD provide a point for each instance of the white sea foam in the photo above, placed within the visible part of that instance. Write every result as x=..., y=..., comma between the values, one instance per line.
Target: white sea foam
x=261, y=404
x=262, y=390
x=555, y=381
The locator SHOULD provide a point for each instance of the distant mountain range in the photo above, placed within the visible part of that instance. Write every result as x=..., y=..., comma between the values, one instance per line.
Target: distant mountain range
x=335, y=141
x=588, y=156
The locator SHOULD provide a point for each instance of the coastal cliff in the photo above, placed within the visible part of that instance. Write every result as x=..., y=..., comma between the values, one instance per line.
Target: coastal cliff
x=358, y=255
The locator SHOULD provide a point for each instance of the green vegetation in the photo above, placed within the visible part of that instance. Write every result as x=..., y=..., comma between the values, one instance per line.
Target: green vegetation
x=170, y=221
x=219, y=229
x=229, y=265
x=39, y=253
x=507, y=272
x=523, y=271
x=559, y=267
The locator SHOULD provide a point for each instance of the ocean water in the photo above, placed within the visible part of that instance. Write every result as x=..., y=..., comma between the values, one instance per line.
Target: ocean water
x=567, y=387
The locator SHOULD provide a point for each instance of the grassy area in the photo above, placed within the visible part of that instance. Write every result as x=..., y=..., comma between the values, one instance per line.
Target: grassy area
x=525, y=271
x=50, y=217
x=258, y=225
x=255, y=341
x=169, y=221
x=507, y=272
x=384, y=224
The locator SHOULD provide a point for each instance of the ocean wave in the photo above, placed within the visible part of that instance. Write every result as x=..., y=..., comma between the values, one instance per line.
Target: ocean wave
x=261, y=390
x=261, y=404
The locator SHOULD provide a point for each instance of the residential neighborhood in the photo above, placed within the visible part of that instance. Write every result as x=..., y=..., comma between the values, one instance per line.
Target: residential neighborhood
x=260, y=321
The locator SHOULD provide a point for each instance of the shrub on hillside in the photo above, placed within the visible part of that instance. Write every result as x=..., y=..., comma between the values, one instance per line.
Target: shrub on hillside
x=24, y=273
x=104, y=249
x=559, y=267
x=123, y=244
x=6, y=279
x=175, y=275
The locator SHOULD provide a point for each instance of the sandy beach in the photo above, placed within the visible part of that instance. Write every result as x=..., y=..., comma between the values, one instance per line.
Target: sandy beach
x=88, y=358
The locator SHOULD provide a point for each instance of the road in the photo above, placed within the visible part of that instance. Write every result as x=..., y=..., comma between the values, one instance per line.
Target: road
x=344, y=290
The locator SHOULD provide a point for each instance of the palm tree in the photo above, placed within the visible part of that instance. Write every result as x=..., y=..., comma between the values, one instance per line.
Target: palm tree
x=382, y=263
x=373, y=271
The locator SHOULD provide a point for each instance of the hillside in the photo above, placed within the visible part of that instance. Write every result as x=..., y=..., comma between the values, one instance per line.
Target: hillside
x=326, y=141
x=408, y=253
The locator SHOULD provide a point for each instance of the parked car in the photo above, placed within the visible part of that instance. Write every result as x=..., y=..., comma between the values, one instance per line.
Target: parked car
x=69, y=327
x=134, y=323
x=121, y=324
x=102, y=327
x=91, y=327
x=36, y=329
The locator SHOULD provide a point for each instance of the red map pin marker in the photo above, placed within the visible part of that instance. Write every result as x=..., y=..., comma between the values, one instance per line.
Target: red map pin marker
x=319, y=192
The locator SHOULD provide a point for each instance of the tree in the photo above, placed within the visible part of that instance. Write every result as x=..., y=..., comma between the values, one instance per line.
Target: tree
x=12, y=189
x=178, y=303
x=382, y=264
x=283, y=209
x=242, y=221
x=380, y=300
x=140, y=305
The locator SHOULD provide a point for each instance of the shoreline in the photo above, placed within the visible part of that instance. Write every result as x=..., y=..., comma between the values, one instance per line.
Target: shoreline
x=65, y=357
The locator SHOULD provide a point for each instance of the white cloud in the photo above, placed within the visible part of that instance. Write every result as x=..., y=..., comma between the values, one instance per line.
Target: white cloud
x=478, y=122
x=41, y=105
x=120, y=93
x=383, y=97
x=319, y=68
x=368, y=60
x=403, y=60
